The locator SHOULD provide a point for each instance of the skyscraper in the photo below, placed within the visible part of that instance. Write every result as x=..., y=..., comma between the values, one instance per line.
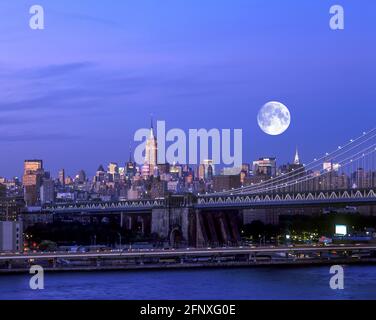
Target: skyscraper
x=113, y=172
x=113, y=168
x=33, y=173
x=206, y=170
x=3, y=191
x=62, y=177
x=130, y=167
x=100, y=174
x=265, y=166
x=151, y=151
x=296, y=159
x=32, y=166
x=47, y=191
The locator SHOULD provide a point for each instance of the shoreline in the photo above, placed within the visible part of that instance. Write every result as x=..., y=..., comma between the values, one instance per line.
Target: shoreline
x=197, y=266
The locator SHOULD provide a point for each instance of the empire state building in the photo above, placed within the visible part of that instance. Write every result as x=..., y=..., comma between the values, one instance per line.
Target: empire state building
x=151, y=151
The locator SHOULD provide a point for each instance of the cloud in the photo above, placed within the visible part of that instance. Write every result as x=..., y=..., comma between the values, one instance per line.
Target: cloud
x=70, y=87
x=29, y=136
x=60, y=99
x=62, y=87
x=57, y=70
x=47, y=71
x=14, y=120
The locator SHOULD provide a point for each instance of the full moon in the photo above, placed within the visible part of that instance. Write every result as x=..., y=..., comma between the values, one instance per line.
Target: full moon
x=274, y=118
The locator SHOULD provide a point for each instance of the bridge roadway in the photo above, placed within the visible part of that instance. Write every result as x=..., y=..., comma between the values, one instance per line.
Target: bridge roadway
x=299, y=199
x=194, y=252
x=240, y=201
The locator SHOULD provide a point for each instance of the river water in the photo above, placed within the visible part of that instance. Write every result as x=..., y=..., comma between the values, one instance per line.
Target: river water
x=241, y=283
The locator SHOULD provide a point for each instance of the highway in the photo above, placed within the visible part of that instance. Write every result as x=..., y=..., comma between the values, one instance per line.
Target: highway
x=186, y=252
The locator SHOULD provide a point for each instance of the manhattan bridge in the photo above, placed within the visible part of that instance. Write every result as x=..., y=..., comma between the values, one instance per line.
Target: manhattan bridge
x=344, y=177
x=346, y=174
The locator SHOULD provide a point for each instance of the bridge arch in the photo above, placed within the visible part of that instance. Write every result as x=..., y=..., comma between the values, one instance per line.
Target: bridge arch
x=176, y=237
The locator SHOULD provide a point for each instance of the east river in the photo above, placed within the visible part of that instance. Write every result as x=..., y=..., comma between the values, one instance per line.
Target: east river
x=240, y=283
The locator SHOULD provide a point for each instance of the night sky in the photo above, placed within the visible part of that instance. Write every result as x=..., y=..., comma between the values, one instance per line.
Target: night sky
x=75, y=93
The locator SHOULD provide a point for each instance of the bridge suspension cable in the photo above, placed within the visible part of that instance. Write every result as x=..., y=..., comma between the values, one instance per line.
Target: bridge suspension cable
x=307, y=178
x=304, y=173
x=304, y=170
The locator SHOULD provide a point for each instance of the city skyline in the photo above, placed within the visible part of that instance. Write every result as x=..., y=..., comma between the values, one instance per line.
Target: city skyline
x=292, y=159
x=295, y=158
x=177, y=150
x=185, y=65
x=124, y=162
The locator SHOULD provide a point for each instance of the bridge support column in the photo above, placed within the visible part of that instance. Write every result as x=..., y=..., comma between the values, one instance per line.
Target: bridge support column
x=140, y=220
x=166, y=221
x=252, y=257
x=201, y=237
x=128, y=223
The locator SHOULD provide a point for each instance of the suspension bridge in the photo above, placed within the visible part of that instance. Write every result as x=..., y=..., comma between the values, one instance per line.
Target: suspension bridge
x=345, y=176
x=348, y=173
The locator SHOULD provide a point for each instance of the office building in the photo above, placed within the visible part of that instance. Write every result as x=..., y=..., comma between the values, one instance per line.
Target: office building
x=32, y=178
x=62, y=177
x=47, y=191
x=11, y=236
x=3, y=191
x=151, y=151
x=265, y=167
x=226, y=182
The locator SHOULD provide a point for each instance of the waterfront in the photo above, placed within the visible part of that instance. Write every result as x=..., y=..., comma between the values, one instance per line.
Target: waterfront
x=306, y=283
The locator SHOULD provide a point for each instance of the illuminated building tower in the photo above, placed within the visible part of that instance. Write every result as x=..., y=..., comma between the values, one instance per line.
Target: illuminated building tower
x=81, y=177
x=244, y=173
x=296, y=159
x=130, y=168
x=201, y=172
x=176, y=171
x=209, y=165
x=100, y=174
x=68, y=181
x=32, y=178
x=145, y=171
x=113, y=168
x=62, y=177
x=151, y=151
x=206, y=170
x=32, y=166
x=113, y=172
x=265, y=167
